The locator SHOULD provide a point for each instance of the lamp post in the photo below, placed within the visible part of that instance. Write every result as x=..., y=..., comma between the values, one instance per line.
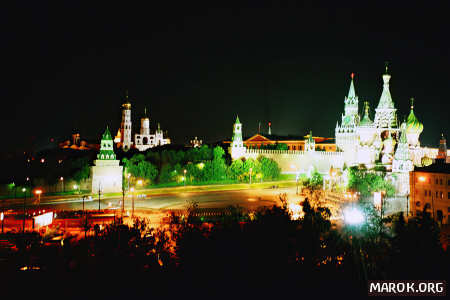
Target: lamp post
x=2, y=216
x=38, y=193
x=62, y=183
x=184, y=171
x=132, y=202
x=99, y=192
x=24, y=190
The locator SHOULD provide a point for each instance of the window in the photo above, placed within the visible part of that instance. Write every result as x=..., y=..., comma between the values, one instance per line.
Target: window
x=448, y=182
x=437, y=194
x=448, y=196
x=437, y=181
x=425, y=193
x=442, y=195
x=440, y=181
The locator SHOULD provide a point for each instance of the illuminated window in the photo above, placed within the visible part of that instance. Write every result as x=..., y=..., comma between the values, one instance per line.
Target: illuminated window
x=442, y=195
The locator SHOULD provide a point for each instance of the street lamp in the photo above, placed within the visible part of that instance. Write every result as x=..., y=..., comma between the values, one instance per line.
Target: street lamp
x=185, y=171
x=132, y=202
x=24, y=190
x=2, y=217
x=62, y=182
x=38, y=193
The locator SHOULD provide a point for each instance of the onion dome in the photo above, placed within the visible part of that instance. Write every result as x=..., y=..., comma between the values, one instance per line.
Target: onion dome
x=413, y=125
x=426, y=161
x=366, y=121
x=127, y=104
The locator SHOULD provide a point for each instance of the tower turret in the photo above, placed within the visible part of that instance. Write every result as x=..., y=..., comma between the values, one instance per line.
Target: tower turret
x=237, y=148
x=385, y=113
x=442, y=151
x=145, y=124
x=310, y=143
x=125, y=125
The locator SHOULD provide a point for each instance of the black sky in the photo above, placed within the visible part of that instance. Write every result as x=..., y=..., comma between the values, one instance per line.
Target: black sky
x=67, y=65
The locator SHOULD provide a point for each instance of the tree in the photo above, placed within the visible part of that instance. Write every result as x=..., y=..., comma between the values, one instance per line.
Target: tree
x=367, y=182
x=81, y=169
x=138, y=167
x=269, y=168
x=219, y=167
x=236, y=169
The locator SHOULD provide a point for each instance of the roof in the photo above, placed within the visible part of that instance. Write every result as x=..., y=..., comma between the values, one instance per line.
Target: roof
x=266, y=137
x=438, y=167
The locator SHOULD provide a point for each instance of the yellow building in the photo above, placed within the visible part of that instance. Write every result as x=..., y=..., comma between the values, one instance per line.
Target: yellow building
x=430, y=189
x=258, y=141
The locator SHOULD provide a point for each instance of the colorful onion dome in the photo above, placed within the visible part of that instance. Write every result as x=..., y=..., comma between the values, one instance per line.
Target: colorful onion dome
x=366, y=121
x=426, y=161
x=413, y=125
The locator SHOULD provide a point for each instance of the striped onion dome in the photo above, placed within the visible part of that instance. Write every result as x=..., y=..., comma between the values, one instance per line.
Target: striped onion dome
x=413, y=125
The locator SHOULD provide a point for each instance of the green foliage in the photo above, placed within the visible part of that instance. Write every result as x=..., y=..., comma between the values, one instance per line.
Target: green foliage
x=367, y=182
x=138, y=167
x=269, y=168
x=81, y=169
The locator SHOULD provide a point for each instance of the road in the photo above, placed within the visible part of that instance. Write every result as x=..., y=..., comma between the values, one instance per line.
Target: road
x=251, y=199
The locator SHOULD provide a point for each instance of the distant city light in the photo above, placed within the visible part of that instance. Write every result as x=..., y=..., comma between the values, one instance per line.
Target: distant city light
x=353, y=216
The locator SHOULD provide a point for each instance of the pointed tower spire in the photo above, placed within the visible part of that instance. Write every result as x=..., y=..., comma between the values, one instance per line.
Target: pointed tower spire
x=270, y=129
x=351, y=91
x=237, y=120
x=145, y=111
x=386, y=113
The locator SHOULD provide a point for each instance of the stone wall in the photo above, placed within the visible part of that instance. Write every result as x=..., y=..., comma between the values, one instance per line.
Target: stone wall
x=293, y=161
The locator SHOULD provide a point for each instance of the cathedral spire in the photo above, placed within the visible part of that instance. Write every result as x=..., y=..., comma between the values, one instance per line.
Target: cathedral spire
x=386, y=98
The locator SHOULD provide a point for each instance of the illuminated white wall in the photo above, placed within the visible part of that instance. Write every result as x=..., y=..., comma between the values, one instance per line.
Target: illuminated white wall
x=106, y=175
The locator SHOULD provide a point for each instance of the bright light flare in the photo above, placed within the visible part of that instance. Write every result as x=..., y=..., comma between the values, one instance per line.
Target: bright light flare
x=296, y=211
x=353, y=216
x=38, y=192
x=422, y=179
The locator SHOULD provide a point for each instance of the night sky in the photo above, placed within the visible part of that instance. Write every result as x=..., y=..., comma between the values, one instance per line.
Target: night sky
x=66, y=66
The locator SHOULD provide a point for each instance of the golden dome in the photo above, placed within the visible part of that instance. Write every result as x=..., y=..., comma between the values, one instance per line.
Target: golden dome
x=126, y=105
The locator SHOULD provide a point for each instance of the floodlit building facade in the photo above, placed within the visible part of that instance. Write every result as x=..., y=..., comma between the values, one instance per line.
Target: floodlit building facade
x=106, y=173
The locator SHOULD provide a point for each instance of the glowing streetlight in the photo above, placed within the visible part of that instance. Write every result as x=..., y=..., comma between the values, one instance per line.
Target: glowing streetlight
x=38, y=193
x=139, y=182
x=62, y=182
x=132, y=201
x=24, y=201
x=422, y=178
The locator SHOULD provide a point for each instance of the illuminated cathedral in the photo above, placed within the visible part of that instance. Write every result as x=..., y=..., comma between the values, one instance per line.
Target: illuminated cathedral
x=383, y=140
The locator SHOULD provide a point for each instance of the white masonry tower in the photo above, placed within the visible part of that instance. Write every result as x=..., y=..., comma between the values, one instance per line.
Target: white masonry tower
x=125, y=125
